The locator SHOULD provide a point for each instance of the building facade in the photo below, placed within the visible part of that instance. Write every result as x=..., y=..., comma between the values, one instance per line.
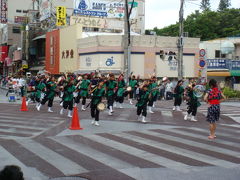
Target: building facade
x=105, y=53
x=222, y=64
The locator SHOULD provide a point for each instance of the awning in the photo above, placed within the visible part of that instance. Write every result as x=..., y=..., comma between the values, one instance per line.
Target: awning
x=37, y=68
x=235, y=72
x=224, y=74
x=115, y=71
x=39, y=37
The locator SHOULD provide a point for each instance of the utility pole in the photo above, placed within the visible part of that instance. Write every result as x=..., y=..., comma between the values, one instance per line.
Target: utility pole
x=180, y=42
x=126, y=43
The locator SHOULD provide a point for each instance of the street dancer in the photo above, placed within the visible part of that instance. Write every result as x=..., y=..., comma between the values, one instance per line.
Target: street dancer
x=142, y=101
x=97, y=95
x=133, y=83
x=111, y=84
x=154, y=91
x=68, y=98
x=121, y=90
x=213, y=97
x=50, y=94
x=83, y=88
x=193, y=103
x=178, y=93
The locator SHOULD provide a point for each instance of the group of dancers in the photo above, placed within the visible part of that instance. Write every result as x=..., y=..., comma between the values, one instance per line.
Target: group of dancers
x=74, y=89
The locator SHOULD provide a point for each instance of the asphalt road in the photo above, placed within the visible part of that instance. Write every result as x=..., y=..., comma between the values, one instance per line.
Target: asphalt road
x=121, y=148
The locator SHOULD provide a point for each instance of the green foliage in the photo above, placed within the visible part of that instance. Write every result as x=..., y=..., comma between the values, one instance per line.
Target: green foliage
x=224, y=4
x=207, y=25
x=205, y=5
x=230, y=93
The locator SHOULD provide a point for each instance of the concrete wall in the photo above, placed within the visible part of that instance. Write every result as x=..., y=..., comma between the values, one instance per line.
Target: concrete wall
x=13, y=5
x=145, y=59
x=68, y=45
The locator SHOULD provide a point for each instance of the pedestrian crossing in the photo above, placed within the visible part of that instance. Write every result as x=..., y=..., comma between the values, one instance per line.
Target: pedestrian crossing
x=114, y=155
x=18, y=125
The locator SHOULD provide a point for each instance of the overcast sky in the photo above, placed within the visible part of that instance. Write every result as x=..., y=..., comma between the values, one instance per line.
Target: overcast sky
x=161, y=13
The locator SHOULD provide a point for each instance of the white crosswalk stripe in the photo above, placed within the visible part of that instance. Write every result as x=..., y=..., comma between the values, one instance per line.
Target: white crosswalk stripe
x=69, y=166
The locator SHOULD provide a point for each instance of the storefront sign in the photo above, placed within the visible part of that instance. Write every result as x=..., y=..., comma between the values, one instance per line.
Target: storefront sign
x=235, y=65
x=88, y=62
x=68, y=54
x=88, y=21
x=20, y=19
x=61, y=16
x=217, y=64
x=113, y=9
x=45, y=10
x=3, y=12
x=3, y=53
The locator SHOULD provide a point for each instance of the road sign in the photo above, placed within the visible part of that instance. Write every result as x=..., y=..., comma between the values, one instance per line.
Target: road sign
x=202, y=63
x=202, y=52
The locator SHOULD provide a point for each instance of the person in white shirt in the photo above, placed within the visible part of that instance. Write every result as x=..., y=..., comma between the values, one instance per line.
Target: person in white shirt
x=168, y=90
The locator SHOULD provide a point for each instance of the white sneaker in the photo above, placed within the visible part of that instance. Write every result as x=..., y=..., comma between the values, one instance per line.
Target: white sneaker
x=97, y=124
x=143, y=119
x=193, y=119
x=83, y=108
x=111, y=109
x=150, y=109
x=120, y=106
x=174, y=108
x=61, y=104
x=178, y=108
x=110, y=113
x=93, y=122
x=49, y=110
x=69, y=114
x=61, y=111
x=39, y=107
x=186, y=117
x=131, y=101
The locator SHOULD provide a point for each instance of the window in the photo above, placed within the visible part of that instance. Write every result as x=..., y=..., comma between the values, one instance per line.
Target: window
x=16, y=30
x=25, y=11
x=18, y=11
x=217, y=53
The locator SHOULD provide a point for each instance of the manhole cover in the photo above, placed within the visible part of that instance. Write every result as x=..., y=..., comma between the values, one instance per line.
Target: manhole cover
x=69, y=178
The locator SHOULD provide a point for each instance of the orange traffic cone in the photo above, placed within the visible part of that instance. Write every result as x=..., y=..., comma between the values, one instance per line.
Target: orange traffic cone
x=24, y=104
x=75, y=120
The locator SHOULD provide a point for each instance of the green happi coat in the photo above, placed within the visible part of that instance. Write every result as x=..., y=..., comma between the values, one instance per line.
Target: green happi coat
x=153, y=91
x=97, y=96
x=40, y=87
x=51, y=89
x=133, y=83
x=143, y=98
x=111, y=85
x=68, y=93
x=84, y=87
x=121, y=88
x=179, y=92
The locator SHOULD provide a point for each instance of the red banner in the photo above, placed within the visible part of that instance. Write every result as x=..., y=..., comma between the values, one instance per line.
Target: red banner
x=3, y=53
x=3, y=12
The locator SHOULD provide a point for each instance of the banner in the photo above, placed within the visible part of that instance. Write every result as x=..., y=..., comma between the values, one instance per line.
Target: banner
x=3, y=12
x=103, y=8
x=45, y=9
x=61, y=16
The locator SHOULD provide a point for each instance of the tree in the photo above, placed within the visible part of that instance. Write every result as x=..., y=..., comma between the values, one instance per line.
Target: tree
x=224, y=4
x=205, y=5
x=207, y=25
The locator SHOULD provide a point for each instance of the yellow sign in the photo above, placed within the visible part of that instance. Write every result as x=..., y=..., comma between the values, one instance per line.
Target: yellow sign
x=61, y=16
x=25, y=66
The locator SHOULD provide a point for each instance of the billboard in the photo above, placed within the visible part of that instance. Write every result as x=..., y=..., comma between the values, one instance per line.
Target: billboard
x=45, y=9
x=61, y=16
x=3, y=11
x=102, y=8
